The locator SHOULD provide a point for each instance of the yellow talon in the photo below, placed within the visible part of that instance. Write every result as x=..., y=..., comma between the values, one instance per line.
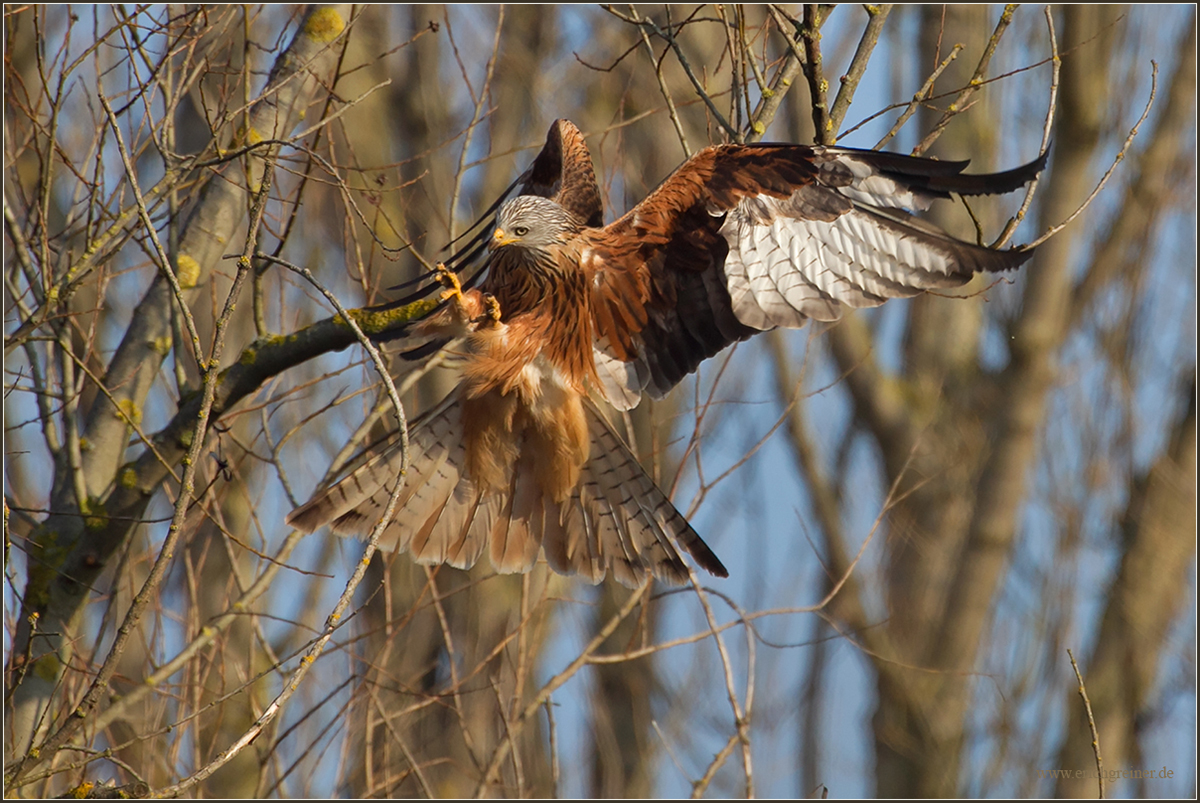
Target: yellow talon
x=491, y=307
x=449, y=280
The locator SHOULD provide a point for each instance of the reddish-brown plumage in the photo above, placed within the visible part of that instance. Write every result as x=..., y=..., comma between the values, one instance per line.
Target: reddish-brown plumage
x=738, y=239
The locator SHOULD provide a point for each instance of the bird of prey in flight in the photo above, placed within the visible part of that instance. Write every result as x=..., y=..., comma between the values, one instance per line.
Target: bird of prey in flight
x=518, y=461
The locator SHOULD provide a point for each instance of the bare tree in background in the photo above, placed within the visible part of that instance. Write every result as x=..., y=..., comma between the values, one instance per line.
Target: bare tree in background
x=1029, y=450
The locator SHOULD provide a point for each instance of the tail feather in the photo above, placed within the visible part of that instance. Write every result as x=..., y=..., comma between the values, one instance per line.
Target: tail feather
x=446, y=535
x=554, y=529
x=516, y=543
x=615, y=540
x=473, y=544
x=356, y=502
x=647, y=524
x=630, y=544
x=586, y=528
x=427, y=492
x=616, y=519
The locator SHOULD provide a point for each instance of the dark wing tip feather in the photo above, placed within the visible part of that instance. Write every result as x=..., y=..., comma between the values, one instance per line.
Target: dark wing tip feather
x=425, y=349
x=544, y=175
x=942, y=177
x=562, y=171
x=980, y=259
x=969, y=257
x=991, y=183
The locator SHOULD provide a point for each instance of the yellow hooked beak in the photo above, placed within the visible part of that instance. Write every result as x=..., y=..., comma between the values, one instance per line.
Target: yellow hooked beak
x=501, y=238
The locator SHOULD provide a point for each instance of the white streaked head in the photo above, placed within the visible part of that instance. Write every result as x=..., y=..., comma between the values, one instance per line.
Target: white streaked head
x=530, y=221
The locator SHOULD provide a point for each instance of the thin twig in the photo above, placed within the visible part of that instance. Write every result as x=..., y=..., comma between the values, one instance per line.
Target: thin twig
x=710, y=772
x=773, y=96
x=961, y=102
x=452, y=662
x=164, y=262
x=1087, y=704
x=662, y=86
x=747, y=54
x=781, y=17
x=1031, y=188
x=335, y=616
x=741, y=717
x=182, y=503
x=918, y=98
x=389, y=723
x=22, y=251
x=515, y=755
x=736, y=84
x=476, y=115
x=555, y=683
x=732, y=132
x=858, y=65
x=555, y=770
x=1116, y=161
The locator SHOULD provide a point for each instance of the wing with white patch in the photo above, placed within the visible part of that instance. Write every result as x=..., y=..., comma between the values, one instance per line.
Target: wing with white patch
x=746, y=238
x=818, y=253
x=621, y=381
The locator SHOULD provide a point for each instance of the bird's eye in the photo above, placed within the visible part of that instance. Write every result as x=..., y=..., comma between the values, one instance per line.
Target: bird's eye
x=520, y=231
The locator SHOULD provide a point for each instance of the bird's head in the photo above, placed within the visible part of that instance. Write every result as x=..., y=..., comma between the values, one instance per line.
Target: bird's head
x=533, y=222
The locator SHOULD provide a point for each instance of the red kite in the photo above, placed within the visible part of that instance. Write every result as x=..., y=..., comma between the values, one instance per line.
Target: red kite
x=742, y=238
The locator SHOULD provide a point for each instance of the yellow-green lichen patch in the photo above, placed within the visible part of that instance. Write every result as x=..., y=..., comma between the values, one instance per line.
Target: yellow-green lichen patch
x=249, y=136
x=95, y=517
x=187, y=270
x=374, y=321
x=324, y=25
x=46, y=667
x=249, y=355
x=43, y=542
x=127, y=477
x=130, y=410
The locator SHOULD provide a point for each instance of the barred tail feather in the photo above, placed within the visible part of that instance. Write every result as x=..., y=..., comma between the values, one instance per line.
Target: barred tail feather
x=354, y=504
x=517, y=537
x=616, y=518
x=637, y=527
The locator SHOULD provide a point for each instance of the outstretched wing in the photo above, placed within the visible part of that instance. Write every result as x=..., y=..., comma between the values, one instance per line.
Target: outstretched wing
x=742, y=239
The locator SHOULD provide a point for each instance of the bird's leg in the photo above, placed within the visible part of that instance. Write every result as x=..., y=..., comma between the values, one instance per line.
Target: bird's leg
x=491, y=310
x=449, y=279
